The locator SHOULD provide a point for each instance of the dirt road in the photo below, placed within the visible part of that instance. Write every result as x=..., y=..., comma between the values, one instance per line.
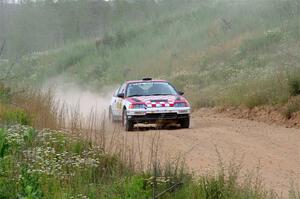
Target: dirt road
x=274, y=149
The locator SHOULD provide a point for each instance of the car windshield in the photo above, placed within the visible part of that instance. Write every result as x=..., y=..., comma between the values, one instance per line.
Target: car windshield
x=150, y=88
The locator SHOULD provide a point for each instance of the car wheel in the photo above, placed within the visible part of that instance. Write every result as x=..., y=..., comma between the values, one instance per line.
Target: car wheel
x=127, y=123
x=185, y=123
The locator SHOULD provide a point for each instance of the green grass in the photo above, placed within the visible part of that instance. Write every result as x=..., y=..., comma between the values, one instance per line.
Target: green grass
x=51, y=164
x=17, y=116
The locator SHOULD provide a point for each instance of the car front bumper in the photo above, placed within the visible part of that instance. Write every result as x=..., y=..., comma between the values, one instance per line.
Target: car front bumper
x=154, y=115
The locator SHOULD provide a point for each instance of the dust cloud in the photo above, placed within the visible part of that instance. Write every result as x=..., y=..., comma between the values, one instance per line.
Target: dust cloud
x=76, y=97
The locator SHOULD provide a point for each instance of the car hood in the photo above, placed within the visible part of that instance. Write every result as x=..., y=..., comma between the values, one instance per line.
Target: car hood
x=157, y=100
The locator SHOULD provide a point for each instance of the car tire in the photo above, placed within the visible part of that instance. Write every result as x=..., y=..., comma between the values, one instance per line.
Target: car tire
x=127, y=124
x=185, y=123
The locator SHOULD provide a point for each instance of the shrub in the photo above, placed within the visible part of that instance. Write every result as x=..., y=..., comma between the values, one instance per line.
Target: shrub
x=5, y=93
x=8, y=188
x=291, y=107
x=135, y=187
x=119, y=38
x=71, y=56
x=3, y=144
x=16, y=116
x=40, y=109
x=30, y=187
x=29, y=136
x=261, y=42
x=254, y=99
x=294, y=87
x=8, y=185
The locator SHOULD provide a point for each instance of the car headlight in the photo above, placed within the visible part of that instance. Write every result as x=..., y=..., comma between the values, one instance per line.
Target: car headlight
x=136, y=106
x=180, y=104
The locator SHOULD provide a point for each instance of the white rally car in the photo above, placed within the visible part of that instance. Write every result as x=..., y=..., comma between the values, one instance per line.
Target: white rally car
x=149, y=101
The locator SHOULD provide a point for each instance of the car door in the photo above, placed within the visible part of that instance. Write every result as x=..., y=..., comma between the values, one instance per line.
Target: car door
x=113, y=102
x=119, y=101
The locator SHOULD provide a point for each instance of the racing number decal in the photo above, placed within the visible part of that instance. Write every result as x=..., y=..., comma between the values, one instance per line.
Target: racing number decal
x=119, y=105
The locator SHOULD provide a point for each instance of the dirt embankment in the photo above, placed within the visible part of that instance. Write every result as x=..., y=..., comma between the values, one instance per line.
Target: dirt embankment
x=266, y=114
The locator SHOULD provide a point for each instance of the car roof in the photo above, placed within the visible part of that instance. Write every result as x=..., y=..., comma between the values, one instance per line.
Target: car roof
x=142, y=81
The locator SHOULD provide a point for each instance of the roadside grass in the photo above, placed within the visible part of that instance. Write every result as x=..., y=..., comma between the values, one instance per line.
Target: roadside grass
x=294, y=192
x=52, y=164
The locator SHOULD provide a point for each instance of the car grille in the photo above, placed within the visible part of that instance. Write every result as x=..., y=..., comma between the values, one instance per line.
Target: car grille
x=161, y=116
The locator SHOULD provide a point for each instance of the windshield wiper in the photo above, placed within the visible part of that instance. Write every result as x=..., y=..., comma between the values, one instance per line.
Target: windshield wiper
x=161, y=94
x=135, y=95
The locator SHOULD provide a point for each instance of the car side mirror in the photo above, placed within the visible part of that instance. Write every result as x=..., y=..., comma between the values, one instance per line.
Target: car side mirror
x=121, y=95
x=180, y=92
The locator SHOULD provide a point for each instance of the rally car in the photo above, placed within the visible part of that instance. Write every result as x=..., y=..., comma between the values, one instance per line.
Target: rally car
x=150, y=102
